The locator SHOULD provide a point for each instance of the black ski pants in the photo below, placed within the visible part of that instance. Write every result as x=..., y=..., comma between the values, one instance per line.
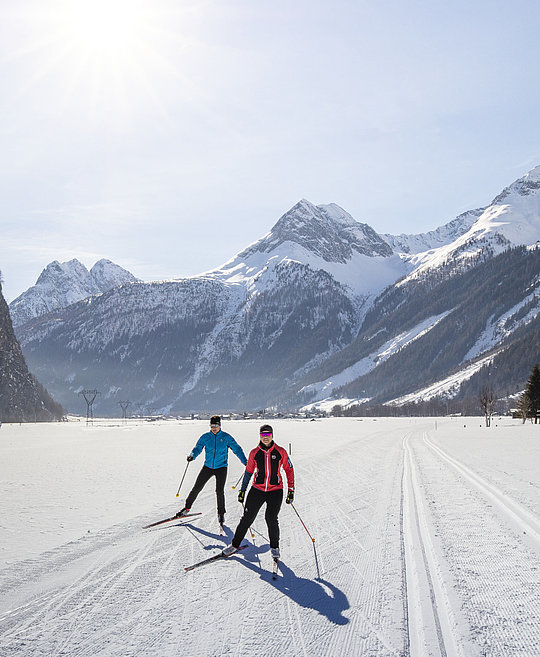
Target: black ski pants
x=204, y=476
x=254, y=501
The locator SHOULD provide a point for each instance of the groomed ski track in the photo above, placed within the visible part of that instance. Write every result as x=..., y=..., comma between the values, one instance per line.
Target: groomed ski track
x=426, y=544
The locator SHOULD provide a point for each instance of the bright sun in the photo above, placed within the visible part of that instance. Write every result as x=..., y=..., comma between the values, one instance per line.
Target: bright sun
x=106, y=54
x=104, y=28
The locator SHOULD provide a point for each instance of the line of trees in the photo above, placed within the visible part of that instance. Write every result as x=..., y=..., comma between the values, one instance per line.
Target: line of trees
x=486, y=401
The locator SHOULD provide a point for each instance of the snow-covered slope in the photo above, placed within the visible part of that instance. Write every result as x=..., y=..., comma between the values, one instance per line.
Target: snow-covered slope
x=323, y=389
x=512, y=219
x=434, y=239
x=61, y=284
x=428, y=338
x=446, y=388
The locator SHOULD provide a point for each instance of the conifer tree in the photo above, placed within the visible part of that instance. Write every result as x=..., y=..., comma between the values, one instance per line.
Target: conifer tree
x=523, y=407
x=532, y=393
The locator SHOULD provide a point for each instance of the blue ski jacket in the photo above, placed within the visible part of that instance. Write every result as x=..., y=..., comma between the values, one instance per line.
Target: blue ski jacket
x=217, y=449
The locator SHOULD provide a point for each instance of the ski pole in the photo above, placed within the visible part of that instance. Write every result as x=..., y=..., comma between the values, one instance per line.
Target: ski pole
x=179, y=487
x=250, y=529
x=310, y=536
x=236, y=484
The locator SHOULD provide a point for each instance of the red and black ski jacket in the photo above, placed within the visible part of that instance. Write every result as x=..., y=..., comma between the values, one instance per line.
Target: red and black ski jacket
x=266, y=463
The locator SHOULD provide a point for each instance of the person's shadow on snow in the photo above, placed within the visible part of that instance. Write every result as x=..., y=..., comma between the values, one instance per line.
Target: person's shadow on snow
x=317, y=594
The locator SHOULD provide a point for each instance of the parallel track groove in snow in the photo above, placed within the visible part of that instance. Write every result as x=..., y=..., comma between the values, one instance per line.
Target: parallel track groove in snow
x=429, y=614
x=493, y=567
x=523, y=519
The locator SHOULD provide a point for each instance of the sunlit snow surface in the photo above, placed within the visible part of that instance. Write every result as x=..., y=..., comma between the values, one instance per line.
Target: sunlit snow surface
x=427, y=542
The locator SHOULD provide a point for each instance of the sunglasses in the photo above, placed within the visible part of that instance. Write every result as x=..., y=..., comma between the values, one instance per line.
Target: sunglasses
x=215, y=426
x=265, y=434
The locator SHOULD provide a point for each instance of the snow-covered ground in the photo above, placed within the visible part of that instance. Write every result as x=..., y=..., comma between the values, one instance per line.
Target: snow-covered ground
x=427, y=542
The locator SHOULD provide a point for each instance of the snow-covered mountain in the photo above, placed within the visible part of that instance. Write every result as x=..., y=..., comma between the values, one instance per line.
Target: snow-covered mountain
x=107, y=274
x=61, y=284
x=228, y=336
x=512, y=219
x=320, y=307
x=434, y=239
x=440, y=337
x=192, y=344
x=421, y=318
x=322, y=237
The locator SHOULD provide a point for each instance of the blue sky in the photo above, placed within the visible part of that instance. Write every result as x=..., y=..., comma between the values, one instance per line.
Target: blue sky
x=167, y=135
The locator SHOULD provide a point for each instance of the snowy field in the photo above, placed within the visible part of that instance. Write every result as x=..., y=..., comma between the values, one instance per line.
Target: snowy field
x=427, y=542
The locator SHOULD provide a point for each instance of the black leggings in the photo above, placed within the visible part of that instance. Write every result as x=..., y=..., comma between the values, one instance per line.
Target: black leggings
x=204, y=475
x=254, y=501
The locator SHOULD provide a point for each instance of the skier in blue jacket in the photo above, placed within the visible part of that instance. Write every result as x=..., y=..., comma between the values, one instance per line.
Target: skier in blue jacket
x=216, y=443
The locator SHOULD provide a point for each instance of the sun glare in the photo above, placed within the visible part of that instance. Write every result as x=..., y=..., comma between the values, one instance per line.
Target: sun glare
x=108, y=59
x=108, y=53
x=104, y=28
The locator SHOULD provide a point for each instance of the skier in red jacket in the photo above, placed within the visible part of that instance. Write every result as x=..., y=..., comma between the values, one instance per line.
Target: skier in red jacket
x=265, y=461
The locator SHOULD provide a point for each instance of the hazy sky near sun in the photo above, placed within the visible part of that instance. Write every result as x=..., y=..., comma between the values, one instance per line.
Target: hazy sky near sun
x=166, y=135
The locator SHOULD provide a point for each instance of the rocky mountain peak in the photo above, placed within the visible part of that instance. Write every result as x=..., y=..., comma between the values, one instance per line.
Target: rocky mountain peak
x=326, y=231
x=62, y=283
x=56, y=272
x=528, y=184
x=107, y=275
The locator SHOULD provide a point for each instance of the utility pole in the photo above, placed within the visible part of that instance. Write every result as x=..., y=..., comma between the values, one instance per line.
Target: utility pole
x=89, y=398
x=124, y=405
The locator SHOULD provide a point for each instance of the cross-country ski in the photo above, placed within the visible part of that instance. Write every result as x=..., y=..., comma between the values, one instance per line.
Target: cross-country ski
x=215, y=557
x=175, y=517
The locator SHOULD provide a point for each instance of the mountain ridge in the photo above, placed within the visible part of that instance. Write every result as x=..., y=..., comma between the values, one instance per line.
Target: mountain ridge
x=61, y=284
x=255, y=331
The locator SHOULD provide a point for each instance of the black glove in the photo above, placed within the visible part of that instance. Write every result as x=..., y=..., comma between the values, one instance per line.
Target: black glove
x=241, y=496
x=290, y=496
x=189, y=457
